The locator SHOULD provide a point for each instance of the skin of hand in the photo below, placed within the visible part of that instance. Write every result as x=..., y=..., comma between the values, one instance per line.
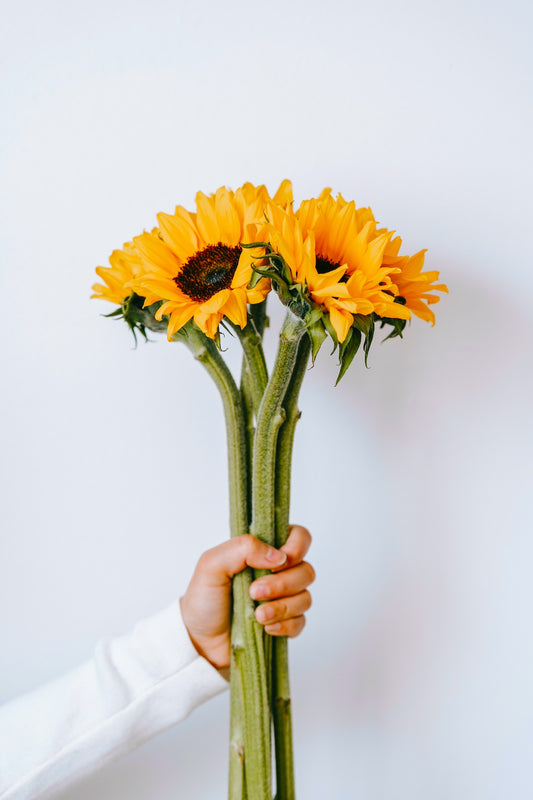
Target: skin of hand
x=206, y=605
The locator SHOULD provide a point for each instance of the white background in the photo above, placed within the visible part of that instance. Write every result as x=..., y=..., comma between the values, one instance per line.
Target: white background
x=413, y=677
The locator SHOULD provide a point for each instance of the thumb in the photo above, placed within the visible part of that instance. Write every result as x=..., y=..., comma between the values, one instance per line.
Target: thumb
x=222, y=562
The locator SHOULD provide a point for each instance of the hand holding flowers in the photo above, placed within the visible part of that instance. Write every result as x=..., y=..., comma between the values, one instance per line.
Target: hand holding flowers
x=206, y=605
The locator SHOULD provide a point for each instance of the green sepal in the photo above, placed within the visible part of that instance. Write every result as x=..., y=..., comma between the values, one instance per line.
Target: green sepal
x=331, y=330
x=398, y=327
x=347, y=351
x=368, y=342
x=363, y=322
x=256, y=277
x=277, y=263
x=317, y=334
x=298, y=302
x=253, y=244
x=137, y=318
x=116, y=313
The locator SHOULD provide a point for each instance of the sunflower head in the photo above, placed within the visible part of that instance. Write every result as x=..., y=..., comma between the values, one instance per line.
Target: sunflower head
x=196, y=265
x=125, y=266
x=334, y=267
x=413, y=287
x=326, y=268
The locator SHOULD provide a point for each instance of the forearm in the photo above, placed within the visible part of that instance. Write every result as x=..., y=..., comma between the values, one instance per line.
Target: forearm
x=134, y=687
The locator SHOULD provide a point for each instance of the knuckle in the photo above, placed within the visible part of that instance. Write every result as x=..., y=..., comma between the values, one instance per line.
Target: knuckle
x=246, y=542
x=308, y=600
x=311, y=574
x=280, y=607
x=206, y=558
x=276, y=585
x=297, y=627
x=307, y=534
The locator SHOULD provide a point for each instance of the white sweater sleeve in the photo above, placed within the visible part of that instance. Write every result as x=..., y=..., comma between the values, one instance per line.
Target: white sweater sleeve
x=134, y=687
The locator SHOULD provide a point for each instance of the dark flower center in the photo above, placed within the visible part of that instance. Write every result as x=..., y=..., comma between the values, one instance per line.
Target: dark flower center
x=324, y=265
x=208, y=271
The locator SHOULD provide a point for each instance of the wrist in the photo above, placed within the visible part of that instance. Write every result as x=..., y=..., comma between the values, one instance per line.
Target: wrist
x=215, y=649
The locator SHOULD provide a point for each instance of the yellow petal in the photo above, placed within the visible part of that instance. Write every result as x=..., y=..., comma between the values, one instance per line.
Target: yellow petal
x=341, y=321
x=215, y=303
x=179, y=233
x=243, y=273
x=155, y=253
x=284, y=196
x=227, y=219
x=178, y=319
x=235, y=307
x=206, y=218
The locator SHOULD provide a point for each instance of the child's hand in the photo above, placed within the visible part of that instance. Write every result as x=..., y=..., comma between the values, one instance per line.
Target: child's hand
x=206, y=604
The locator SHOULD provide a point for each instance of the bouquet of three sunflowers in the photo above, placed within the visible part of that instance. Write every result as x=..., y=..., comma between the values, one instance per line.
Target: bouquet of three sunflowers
x=200, y=273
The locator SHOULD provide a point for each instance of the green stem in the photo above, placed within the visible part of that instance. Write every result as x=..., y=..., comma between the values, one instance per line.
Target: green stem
x=281, y=700
x=248, y=407
x=250, y=727
x=254, y=366
x=254, y=377
x=270, y=418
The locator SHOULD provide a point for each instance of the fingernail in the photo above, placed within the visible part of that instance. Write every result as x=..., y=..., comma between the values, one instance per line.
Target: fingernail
x=263, y=613
x=258, y=591
x=274, y=628
x=276, y=557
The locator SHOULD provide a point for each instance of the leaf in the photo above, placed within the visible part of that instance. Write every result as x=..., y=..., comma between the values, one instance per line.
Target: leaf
x=116, y=313
x=331, y=330
x=344, y=345
x=256, y=277
x=348, y=351
x=363, y=322
x=398, y=326
x=317, y=334
x=254, y=244
x=368, y=342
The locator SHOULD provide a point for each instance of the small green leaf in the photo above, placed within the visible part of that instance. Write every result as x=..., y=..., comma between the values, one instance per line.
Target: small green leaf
x=363, y=322
x=317, y=334
x=331, y=330
x=344, y=345
x=116, y=313
x=254, y=244
x=256, y=277
x=348, y=352
x=368, y=342
x=398, y=326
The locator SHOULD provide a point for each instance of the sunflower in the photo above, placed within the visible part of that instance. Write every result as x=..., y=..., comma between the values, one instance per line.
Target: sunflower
x=125, y=266
x=413, y=287
x=195, y=264
x=408, y=285
x=332, y=249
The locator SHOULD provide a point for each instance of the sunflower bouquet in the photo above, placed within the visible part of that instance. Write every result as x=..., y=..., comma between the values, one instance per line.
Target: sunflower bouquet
x=198, y=274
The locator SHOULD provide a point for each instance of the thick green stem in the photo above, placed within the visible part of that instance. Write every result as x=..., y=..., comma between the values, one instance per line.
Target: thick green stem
x=236, y=783
x=281, y=700
x=248, y=407
x=269, y=420
x=254, y=366
x=250, y=727
x=254, y=377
